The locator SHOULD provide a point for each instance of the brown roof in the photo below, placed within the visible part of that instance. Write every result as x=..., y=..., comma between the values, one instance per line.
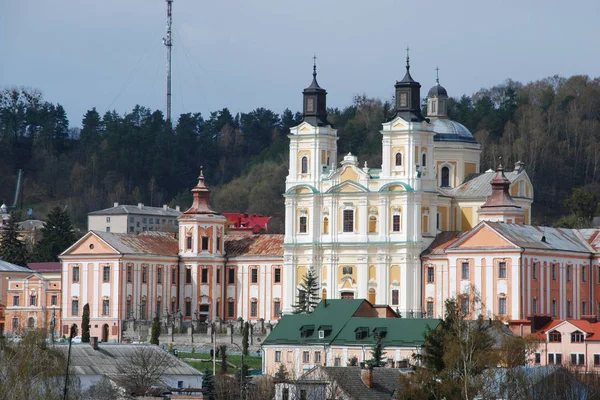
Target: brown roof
x=159, y=243
x=255, y=245
x=45, y=266
x=441, y=242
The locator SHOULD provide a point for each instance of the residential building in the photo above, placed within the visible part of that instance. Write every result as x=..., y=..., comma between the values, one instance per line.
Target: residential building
x=134, y=219
x=30, y=231
x=4, y=216
x=244, y=223
x=362, y=229
x=338, y=330
x=8, y=271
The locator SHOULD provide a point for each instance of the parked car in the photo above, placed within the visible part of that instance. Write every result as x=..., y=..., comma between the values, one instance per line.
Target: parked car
x=76, y=339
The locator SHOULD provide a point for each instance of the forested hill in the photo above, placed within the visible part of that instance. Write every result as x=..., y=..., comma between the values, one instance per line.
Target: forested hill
x=553, y=125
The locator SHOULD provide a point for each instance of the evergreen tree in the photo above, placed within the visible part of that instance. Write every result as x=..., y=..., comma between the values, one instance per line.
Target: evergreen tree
x=245, y=338
x=308, y=294
x=12, y=249
x=281, y=375
x=208, y=385
x=377, y=354
x=155, y=331
x=85, y=324
x=58, y=235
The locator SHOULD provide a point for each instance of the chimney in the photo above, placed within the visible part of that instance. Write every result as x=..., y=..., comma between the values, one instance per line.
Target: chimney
x=366, y=375
x=177, y=208
x=94, y=342
x=116, y=204
x=592, y=319
x=140, y=205
x=165, y=207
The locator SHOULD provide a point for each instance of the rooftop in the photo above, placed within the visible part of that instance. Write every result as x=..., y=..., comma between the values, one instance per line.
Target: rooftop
x=477, y=186
x=8, y=267
x=157, y=243
x=45, y=266
x=140, y=209
x=255, y=245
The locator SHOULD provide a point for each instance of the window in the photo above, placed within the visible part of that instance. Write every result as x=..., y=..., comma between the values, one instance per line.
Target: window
x=131, y=219
x=144, y=274
x=465, y=270
x=568, y=308
x=106, y=273
x=554, y=358
x=304, y=166
x=348, y=220
x=555, y=337
x=577, y=337
x=577, y=359
x=143, y=310
x=129, y=308
x=54, y=300
x=15, y=300
x=583, y=308
x=218, y=275
x=105, y=307
x=534, y=309
x=285, y=394
x=254, y=308
x=204, y=277
x=173, y=306
x=131, y=229
x=188, y=275
x=277, y=275
x=107, y=219
x=33, y=300
x=254, y=275
x=188, y=242
x=230, y=309
x=317, y=357
x=538, y=358
x=173, y=276
x=151, y=221
x=372, y=224
x=326, y=225
x=424, y=160
x=277, y=308
x=553, y=272
x=188, y=308
x=204, y=242
x=144, y=220
x=218, y=308
x=108, y=229
x=430, y=275
x=395, y=295
x=596, y=359
x=568, y=273
x=15, y=323
x=75, y=274
x=445, y=177
x=305, y=357
x=231, y=276
x=553, y=307
x=158, y=308
x=429, y=309
x=337, y=362
x=583, y=276
x=502, y=306
x=398, y=159
x=74, y=308
x=303, y=395
x=464, y=304
x=396, y=223
x=302, y=228
x=277, y=356
x=129, y=273
x=346, y=270
x=533, y=271
x=218, y=243
x=159, y=275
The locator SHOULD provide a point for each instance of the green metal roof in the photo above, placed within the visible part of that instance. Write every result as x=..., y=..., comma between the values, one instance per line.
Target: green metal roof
x=335, y=317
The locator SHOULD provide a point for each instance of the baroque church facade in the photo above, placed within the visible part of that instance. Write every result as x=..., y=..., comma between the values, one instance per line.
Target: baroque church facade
x=362, y=230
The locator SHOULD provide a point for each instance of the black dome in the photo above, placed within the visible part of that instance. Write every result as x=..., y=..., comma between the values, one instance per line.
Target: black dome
x=438, y=90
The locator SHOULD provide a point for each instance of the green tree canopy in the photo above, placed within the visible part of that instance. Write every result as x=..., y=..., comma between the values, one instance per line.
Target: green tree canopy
x=12, y=249
x=308, y=294
x=58, y=235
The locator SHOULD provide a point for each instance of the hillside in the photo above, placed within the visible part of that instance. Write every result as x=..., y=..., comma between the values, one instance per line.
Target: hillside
x=552, y=125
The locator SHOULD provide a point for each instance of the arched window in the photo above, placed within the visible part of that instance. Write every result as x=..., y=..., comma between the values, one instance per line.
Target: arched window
x=424, y=160
x=372, y=224
x=445, y=177
x=398, y=159
x=325, y=225
x=31, y=323
x=304, y=163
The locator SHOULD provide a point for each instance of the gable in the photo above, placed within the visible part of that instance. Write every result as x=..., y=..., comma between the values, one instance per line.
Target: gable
x=90, y=244
x=349, y=174
x=399, y=124
x=348, y=187
x=483, y=237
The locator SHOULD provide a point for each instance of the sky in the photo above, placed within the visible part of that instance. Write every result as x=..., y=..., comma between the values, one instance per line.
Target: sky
x=242, y=55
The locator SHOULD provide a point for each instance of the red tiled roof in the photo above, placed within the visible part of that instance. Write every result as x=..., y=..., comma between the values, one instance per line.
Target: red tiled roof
x=441, y=242
x=255, y=245
x=45, y=266
x=246, y=221
x=592, y=329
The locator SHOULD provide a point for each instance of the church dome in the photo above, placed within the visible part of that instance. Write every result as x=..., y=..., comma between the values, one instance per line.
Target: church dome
x=437, y=91
x=447, y=130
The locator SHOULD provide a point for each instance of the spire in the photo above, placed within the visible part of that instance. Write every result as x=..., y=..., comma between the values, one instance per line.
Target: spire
x=201, y=193
x=407, y=58
x=500, y=196
x=408, y=96
x=437, y=75
x=407, y=77
x=314, y=66
x=315, y=101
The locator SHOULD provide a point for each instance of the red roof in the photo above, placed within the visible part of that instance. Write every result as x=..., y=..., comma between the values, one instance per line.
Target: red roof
x=441, y=242
x=254, y=245
x=243, y=221
x=45, y=266
x=592, y=329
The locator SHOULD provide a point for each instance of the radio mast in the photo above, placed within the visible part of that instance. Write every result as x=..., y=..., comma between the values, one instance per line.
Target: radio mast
x=168, y=42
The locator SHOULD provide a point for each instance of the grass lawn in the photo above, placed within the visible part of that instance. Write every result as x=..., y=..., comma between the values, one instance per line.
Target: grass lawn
x=252, y=362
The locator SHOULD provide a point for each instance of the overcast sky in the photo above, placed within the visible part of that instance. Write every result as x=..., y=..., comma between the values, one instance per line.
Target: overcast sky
x=245, y=54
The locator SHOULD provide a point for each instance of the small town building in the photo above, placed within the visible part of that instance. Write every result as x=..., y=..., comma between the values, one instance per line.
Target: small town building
x=340, y=330
x=124, y=218
x=244, y=223
x=8, y=271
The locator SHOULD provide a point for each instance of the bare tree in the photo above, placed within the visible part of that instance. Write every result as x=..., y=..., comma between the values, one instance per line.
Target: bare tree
x=144, y=368
x=102, y=390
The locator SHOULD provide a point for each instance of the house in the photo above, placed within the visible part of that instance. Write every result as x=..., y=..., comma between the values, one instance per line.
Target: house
x=8, y=271
x=342, y=383
x=90, y=362
x=338, y=330
x=125, y=218
x=244, y=223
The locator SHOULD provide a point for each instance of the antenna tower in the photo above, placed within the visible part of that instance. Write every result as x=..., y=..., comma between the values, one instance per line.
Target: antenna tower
x=168, y=42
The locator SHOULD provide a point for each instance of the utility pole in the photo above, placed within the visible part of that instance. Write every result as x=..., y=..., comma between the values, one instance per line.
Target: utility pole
x=168, y=42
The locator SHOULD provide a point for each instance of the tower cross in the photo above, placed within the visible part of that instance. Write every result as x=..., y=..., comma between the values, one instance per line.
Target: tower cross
x=437, y=74
x=407, y=57
x=314, y=65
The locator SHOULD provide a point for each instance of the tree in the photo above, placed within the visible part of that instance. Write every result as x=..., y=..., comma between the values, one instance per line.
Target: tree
x=377, y=354
x=245, y=343
x=584, y=205
x=208, y=385
x=281, y=375
x=58, y=235
x=353, y=361
x=102, y=390
x=308, y=294
x=154, y=338
x=12, y=249
x=85, y=324
x=144, y=367
x=223, y=353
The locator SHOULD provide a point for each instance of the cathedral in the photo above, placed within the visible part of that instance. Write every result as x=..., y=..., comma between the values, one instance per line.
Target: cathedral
x=361, y=229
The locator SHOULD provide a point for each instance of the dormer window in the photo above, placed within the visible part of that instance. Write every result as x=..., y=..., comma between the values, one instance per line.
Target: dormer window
x=361, y=332
x=321, y=334
x=324, y=330
x=306, y=331
x=555, y=337
x=380, y=332
x=577, y=337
